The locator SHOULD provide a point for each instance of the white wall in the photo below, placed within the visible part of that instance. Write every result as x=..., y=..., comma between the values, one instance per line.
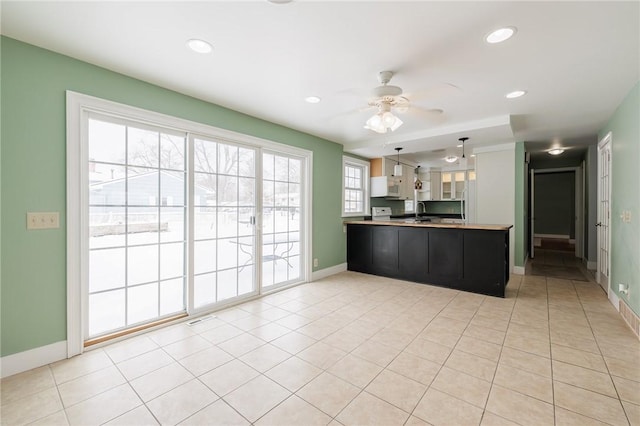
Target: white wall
x=495, y=188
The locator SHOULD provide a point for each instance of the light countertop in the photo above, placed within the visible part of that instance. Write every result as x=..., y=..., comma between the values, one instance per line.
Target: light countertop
x=479, y=226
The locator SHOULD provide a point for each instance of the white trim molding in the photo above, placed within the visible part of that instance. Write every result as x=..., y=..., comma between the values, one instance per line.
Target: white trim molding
x=518, y=270
x=511, y=146
x=33, y=358
x=327, y=272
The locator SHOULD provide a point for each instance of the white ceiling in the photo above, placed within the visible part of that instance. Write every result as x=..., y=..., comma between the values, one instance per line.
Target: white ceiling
x=576, y=60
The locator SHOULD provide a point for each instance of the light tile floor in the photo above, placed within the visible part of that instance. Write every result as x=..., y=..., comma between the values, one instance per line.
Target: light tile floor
x=358, y=349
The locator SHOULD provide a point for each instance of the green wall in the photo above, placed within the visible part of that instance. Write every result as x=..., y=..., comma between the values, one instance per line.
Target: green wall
x=555, y=203
x=624, y=126
x=33, y=263
x=520, y=212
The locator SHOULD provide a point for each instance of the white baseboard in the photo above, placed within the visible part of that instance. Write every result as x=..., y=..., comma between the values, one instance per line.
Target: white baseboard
x=518, y=270
x=613, y=298
x=33, y=358
x=592, y=266
x=332, y=270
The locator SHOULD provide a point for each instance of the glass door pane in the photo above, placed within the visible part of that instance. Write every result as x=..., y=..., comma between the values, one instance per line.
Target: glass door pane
x=281, y=219
x=137, y=222
x=224, y=209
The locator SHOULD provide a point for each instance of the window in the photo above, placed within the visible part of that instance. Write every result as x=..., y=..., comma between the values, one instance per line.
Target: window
x=355, y=187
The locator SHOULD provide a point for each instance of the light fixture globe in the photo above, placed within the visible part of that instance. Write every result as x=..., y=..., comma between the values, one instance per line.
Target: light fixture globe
x=383, y=120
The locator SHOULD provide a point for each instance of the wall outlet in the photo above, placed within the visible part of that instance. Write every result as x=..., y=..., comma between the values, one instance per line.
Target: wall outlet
x=623, y=288
x=315, y=263
x=43, y=220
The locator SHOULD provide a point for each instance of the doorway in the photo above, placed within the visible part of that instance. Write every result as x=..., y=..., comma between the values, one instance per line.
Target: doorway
x=556, y=210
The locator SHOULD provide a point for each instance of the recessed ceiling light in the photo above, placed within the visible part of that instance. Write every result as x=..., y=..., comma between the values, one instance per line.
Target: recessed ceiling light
x=515, y=94
x=199, y=46
x=312, y=99
x=473, y=155
x=459, y=146
x=279, y=1
x=556, y=151
x=500, y=35
x=451, y=159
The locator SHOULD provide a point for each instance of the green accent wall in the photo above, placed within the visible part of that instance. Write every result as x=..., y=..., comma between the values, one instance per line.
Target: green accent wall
x=624, y=126
x=520, y=212
x=33, y=178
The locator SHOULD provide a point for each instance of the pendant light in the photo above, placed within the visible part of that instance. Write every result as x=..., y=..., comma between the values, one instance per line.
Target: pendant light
x=463, y=160
x=397, y=169
x=463, y=140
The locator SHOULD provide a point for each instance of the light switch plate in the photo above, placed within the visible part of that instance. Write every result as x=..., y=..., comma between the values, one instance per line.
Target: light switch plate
x=43, y=220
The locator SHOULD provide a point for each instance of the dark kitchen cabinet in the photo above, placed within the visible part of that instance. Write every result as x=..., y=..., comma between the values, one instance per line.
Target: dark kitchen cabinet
x=385, y=250
x=359, y=249
x=445, y=254
x=486, y=260
x=413, y=247
x=461, y=258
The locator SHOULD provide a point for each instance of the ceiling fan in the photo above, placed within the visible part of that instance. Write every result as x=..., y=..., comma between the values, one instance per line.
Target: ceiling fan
x=389, y=99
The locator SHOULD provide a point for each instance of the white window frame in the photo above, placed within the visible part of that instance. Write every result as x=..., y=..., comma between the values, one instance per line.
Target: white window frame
x=364, y=165
x=78, y=108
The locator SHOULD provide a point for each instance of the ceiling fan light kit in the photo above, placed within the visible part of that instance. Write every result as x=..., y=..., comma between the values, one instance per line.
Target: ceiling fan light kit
x=386, y=97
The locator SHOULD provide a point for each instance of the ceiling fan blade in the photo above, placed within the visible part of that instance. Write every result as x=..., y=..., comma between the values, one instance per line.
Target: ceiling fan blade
x=351, y=113
x=434, y=92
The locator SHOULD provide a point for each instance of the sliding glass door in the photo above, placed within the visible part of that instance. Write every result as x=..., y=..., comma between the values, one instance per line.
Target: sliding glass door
x=281, y=219
x=224, y=210
x=178, y=224
x=137, y=207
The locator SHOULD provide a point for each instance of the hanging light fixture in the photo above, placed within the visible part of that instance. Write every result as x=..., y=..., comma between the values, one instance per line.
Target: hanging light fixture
x=463, y=140
x=397, y=169
x=383, y=120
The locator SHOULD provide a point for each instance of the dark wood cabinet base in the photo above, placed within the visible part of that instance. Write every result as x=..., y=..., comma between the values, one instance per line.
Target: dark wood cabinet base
x=474, y=260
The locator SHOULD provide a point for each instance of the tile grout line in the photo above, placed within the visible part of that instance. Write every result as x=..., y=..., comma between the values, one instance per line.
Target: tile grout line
x=484, y=410
x=613, y=383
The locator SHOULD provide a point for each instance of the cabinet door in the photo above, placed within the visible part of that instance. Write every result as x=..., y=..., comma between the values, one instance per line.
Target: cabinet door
x=459, y=184
x=359, y=248
x=436, y=191
x=484, y=261
x=385, y=250
x=445, y=255
x=409, y=179
x=447, y=186
x=413, y=251
x=388, y=166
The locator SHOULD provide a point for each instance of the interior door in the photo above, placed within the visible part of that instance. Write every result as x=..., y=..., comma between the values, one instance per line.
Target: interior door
x=604, y=211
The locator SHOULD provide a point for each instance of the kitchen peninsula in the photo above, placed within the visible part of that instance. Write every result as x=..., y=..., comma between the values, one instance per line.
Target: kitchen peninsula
x=472, y=258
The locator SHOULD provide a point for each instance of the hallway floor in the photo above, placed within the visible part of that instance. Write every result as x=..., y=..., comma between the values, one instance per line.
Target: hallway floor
x=359, y=349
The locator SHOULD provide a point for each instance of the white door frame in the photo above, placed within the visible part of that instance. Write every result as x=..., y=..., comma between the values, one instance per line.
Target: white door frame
x=604, y=279
x=579, y=207
x=78, y=107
